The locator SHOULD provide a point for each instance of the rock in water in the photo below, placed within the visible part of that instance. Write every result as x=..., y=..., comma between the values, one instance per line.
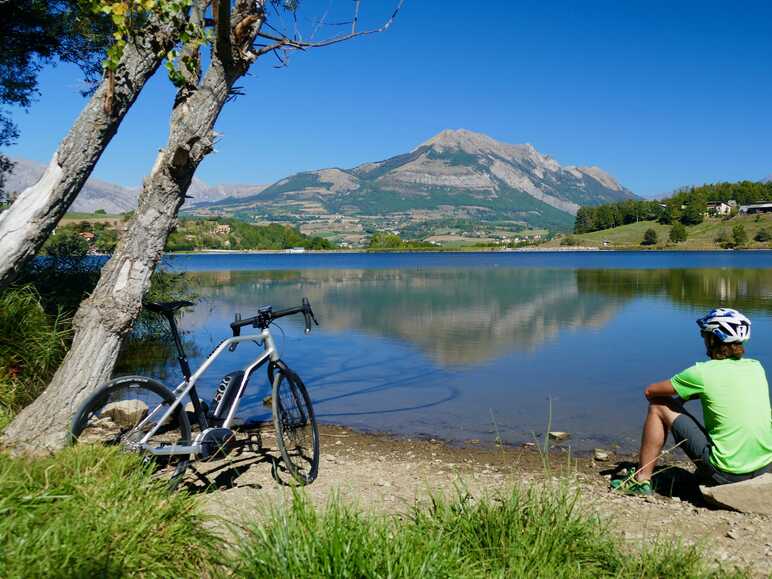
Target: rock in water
x=750, y=496
x=125, y=412
x=599, y=454
x=559, y=436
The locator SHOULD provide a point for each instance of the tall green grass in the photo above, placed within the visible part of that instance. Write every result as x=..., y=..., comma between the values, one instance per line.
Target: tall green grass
x=96, y=512
x=32, y=343
x=527, y=533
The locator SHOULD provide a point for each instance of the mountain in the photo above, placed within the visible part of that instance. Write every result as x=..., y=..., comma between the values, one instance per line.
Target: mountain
x=115, y=198
x=95, y=195
x=456, y=176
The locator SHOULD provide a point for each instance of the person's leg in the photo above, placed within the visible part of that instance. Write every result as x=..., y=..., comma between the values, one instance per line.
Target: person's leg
x=662, y=413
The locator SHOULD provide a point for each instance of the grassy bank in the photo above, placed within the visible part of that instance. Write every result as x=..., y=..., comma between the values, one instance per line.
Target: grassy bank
x=526, y=533
x=97, y=512
x=701, y=236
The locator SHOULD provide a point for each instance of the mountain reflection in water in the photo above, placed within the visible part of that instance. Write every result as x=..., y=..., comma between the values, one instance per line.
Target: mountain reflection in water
x=441, y=350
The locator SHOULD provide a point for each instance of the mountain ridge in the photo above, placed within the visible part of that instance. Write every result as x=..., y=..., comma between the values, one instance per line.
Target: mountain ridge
x=113, y=198
x=455, y=175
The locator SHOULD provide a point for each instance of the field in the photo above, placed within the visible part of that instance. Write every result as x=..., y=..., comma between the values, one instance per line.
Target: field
x=702, y=236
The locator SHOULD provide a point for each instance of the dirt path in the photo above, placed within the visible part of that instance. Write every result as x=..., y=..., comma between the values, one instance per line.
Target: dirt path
x=387, y=475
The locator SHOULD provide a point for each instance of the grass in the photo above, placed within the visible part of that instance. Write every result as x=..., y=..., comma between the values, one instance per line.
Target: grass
x=526, y=533
x=32, y=343
x=700, y=236
x=91, y=512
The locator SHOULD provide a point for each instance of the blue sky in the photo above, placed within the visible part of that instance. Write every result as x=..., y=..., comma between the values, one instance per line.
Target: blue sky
x=660, y=93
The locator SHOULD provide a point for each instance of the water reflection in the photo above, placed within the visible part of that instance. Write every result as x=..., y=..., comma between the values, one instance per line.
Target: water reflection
x=473, y=315
x=441, y=350
x=454, y=316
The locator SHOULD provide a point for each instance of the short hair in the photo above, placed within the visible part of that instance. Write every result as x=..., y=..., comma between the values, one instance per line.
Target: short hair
x=718, y=350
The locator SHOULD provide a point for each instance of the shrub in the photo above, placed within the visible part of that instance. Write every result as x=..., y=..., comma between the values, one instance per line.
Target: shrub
x=762, y=236
x=678, y=233
x=739, y=235
x=96, y=512
x=723, y=237
x=32, y=343
x=569, y=241
x=649, y=237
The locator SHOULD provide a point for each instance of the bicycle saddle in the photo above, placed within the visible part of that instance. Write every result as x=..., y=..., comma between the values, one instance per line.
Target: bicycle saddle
x=166, y=307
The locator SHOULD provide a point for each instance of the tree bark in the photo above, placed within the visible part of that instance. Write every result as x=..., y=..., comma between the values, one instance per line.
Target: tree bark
x=28, y=222
x=107, y=315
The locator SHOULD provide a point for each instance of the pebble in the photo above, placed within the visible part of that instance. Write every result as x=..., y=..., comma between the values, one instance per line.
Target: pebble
x=600, y=455
x=338, y=442
x=733, y=534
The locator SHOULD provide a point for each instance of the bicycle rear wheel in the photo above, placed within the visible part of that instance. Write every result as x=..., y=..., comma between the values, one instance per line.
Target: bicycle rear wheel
x=124, y=410
x=297, y=435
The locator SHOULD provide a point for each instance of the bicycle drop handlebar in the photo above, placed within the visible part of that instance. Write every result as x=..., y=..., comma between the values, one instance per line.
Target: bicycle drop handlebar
x=266, y=315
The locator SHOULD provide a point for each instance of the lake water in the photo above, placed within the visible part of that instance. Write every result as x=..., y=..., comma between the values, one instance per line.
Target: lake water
x=475, y=346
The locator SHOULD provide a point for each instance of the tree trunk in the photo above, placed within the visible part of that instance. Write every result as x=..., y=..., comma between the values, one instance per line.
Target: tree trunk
x=107, y=315
x=27, y=223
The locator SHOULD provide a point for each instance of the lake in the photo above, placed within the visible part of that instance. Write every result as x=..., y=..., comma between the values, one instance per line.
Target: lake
x=475, y=345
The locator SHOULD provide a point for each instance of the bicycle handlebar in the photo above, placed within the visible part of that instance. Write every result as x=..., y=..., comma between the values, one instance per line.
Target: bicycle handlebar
x=266, y=315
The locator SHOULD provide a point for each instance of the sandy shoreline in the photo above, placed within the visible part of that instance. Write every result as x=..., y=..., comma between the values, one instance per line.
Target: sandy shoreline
x=386, y=474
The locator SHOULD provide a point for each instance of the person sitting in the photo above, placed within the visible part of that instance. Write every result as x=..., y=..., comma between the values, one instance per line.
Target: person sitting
x=736, y=441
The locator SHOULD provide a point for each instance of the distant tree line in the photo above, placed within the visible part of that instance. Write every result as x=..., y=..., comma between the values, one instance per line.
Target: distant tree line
x=192, y=234
x=686, y=206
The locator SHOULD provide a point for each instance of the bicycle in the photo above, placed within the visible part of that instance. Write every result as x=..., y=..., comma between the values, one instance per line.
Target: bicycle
x=142, y=415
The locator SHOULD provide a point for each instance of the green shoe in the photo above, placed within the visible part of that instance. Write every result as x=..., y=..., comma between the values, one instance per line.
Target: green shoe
x=630, y=486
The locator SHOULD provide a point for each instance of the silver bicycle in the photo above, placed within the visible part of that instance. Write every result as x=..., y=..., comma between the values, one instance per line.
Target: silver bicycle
x=142, y=415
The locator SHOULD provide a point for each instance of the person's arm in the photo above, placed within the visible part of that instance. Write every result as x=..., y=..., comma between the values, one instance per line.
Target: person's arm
x=660, y=390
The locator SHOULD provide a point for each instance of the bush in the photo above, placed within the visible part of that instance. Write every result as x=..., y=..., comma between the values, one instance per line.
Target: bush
x=96, y=512
x=762, y=236
x=569, y=241
x=32, y=343
x=723, y=237
x=678, y=233
x=521, y=534
x=66, y=244
x=649, y=237
x=739, y=235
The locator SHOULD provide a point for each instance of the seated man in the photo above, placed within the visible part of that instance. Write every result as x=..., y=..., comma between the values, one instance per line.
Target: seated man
x=736, y=442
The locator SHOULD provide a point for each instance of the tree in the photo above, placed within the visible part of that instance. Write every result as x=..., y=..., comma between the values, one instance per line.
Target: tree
x=762, y=236
x=694, y=213
x=104, y=319
x=33, y=32
x=649, y=237
x=142, y=41
x=739, y=235
x=678, y=233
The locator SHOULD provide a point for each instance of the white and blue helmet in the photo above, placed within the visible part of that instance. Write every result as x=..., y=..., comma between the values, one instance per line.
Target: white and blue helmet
x=727, y=325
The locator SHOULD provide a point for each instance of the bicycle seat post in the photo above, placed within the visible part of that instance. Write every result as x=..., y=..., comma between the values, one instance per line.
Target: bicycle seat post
x=181, y=357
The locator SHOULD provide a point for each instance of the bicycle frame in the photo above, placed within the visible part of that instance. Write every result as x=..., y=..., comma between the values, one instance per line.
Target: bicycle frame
x=187, y=386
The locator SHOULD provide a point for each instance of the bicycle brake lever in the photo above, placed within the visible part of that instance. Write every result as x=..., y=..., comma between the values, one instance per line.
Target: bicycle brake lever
x=232, y=347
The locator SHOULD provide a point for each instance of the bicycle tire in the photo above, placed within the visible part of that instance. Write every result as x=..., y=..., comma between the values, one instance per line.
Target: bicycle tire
x=96, y=422
x=297, y=434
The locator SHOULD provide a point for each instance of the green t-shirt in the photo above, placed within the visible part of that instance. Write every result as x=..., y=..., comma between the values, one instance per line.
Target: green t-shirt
x=735, y=405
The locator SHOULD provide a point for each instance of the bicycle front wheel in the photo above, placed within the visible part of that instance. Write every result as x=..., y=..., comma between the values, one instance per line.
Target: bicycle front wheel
x=297, y=435
x=124, y=410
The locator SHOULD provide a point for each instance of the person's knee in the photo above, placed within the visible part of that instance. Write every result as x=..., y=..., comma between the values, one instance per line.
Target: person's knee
x=668, y=409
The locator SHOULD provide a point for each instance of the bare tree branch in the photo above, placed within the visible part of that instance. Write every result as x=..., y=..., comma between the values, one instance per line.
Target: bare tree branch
x=283, y=42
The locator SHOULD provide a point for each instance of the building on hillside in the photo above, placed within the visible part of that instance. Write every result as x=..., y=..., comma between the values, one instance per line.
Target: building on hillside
x=222, y=229
x=87, y=235
x=756, y=208
x=721, y=208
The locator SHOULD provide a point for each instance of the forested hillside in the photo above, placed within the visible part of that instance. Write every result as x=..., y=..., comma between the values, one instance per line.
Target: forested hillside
x=687, y=206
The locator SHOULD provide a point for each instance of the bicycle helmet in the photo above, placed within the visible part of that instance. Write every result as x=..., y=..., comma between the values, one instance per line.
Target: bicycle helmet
x=726, y=324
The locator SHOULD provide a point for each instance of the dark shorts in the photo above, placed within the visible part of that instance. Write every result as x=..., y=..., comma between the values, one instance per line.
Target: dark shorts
x=696, y=443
